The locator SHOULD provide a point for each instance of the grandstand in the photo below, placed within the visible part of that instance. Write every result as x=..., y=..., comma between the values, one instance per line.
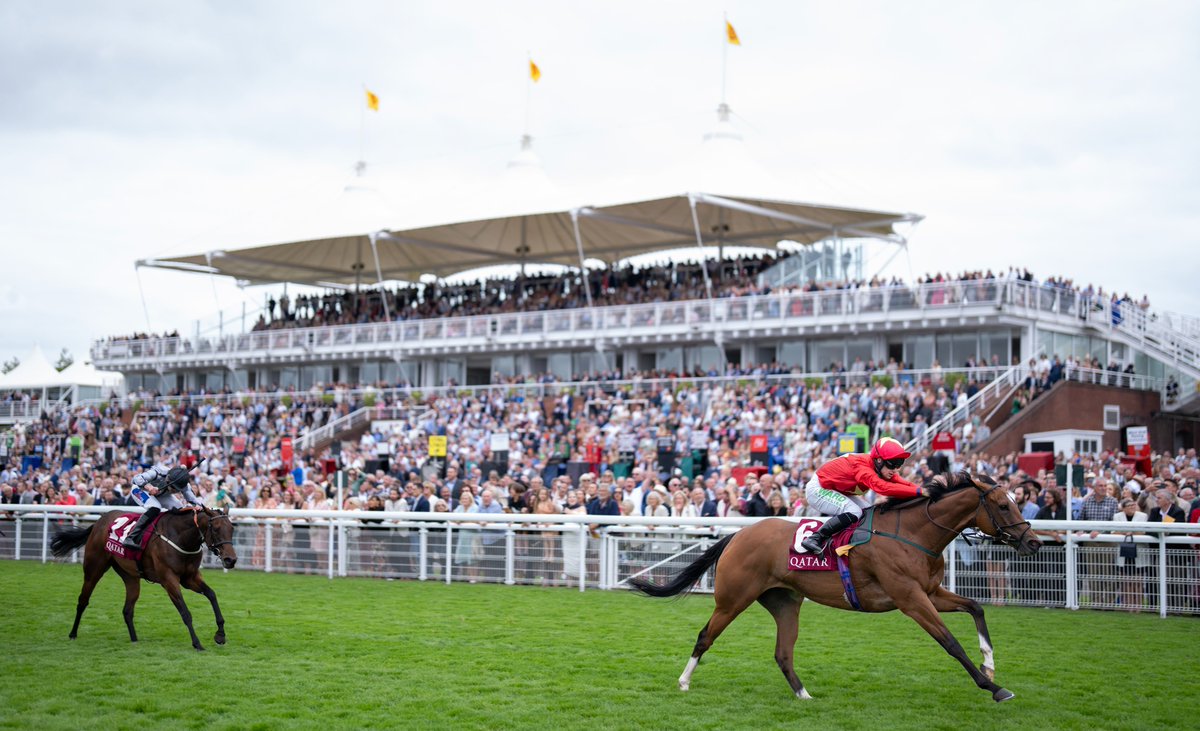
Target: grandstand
x=807, y=306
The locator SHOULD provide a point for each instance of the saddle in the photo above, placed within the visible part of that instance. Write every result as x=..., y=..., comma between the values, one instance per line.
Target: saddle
x=120, y=528
x=833, y=558
x=856, y=535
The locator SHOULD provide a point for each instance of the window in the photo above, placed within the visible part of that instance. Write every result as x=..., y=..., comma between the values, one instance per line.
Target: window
x=1112, y=417
x=1086, y=446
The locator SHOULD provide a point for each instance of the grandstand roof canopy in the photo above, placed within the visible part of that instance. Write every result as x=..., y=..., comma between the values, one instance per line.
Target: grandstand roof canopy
x=609, y=233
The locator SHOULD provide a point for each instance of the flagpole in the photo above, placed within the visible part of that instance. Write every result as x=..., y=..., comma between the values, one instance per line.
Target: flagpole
x=724, y=54
x=362, y=131
x=528, y=88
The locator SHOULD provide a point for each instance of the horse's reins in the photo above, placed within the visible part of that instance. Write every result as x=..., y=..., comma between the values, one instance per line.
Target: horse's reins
x=206, y=536
x=1002, y=532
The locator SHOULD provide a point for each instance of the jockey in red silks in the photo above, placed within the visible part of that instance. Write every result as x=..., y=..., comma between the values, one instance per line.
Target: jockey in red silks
x=838, y=486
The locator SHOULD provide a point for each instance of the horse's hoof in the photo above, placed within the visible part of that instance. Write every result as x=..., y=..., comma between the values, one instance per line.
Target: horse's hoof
x=1002, y=695
x=219, y=639
x=684, y=686
x=199, y=648
x=803, y=695
x=71, y=636
x=989, y=673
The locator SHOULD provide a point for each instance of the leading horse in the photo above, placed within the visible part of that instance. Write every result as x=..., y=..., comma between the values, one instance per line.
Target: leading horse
x=171, y=558
x=901, y=567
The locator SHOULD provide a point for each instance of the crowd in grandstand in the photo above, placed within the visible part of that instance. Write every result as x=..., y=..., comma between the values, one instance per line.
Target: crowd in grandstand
x=627, y=285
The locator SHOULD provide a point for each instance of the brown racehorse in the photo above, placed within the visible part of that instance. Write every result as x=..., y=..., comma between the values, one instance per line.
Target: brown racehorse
x=172, y=558
x=900, y=568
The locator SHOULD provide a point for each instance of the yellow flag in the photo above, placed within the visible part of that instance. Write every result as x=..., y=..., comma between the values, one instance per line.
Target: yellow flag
x=534, y=72
x=731, y=34
x=372, y=100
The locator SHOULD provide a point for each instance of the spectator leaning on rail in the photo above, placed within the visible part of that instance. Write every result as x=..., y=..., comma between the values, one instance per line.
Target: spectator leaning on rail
x=837, y=487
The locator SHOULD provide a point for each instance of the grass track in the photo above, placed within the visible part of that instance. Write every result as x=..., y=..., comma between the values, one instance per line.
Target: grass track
x=306, y=652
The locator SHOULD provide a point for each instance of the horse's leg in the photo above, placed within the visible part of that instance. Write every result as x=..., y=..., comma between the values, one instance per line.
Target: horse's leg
x=784, y=606
x=945, y=600
x=170, y=582
x=196, y=584
x=729, y=606
x=95, y=563
x=133, y=589
x=917, y=604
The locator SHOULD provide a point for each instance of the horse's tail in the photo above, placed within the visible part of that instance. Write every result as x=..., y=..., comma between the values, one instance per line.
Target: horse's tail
x=686, y=579
x=68, y=539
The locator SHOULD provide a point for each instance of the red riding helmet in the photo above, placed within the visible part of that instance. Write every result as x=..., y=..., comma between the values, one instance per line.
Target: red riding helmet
x=888, y=449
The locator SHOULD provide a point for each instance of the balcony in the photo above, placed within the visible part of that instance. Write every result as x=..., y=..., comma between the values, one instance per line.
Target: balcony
x=785, y=314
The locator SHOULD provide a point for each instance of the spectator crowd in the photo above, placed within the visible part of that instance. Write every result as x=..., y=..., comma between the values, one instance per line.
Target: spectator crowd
x=625, y=284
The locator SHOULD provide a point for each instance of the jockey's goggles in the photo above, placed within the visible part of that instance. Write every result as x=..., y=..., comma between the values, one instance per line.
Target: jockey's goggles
x=893, y=464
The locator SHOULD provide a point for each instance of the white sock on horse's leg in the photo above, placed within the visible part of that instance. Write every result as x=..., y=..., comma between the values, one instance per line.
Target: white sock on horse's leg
x=989, y=660
x=685, y=680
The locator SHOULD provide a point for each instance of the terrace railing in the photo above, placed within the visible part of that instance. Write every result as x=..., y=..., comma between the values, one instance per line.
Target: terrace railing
x=698, y=316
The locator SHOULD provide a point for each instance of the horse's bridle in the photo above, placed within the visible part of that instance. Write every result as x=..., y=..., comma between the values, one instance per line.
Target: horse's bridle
x=1002, y=529
x=208, y=533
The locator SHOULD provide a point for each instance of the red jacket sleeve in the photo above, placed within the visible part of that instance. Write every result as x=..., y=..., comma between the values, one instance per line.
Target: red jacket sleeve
x=896, y=487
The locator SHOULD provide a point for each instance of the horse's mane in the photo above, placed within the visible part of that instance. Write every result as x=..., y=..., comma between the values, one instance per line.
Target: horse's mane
x=935, y=489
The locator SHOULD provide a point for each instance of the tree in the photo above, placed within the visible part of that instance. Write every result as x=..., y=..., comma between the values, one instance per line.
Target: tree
x=8, y=365
x=65, y=359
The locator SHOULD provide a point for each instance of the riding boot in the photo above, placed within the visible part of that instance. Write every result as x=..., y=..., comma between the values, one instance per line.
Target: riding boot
x=815, y=543
x=134, y=539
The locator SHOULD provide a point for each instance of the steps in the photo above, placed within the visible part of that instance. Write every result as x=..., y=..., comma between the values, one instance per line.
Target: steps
x=1073, y=405
x=350, y=426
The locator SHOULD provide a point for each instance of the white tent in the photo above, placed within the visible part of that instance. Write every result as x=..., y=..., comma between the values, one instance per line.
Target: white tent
x=35, y=373
x=83, y=373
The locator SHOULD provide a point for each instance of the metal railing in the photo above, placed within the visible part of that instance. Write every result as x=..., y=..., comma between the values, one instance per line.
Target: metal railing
x=1074, y=570
x=994, y=390
x=326, y=433
x=690, y=315
x=14, y=411
x=925, y=376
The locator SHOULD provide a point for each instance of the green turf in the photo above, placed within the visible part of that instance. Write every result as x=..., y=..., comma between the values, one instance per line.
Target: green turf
x=306, y=652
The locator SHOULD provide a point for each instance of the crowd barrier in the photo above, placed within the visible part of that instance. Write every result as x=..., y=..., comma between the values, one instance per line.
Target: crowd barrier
x=1080, y=572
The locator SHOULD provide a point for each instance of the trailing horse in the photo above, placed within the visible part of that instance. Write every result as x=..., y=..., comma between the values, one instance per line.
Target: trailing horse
x=901, y=567
x=171, y=558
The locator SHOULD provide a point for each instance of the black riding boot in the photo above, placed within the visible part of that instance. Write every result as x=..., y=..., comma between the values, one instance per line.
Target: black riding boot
x=815, y=543
x=134, y=539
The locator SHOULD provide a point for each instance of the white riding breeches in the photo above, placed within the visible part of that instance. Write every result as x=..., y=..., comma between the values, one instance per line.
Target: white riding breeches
x=172, y=500
x=832, y=502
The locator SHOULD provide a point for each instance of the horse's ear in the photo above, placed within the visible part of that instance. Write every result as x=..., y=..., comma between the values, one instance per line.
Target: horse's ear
x=983, y=482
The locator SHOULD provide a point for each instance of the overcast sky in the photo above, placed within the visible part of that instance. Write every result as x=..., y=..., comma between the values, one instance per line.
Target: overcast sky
x=1061, y=136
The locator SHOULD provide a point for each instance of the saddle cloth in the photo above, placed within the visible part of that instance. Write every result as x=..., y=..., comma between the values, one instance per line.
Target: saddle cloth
x=120, y=528
x=856, y=534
